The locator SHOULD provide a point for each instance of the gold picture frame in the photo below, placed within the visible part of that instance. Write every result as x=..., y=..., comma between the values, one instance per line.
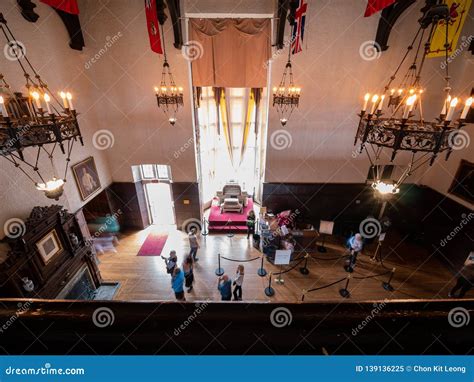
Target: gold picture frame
x=49, y=246
x=87, y=178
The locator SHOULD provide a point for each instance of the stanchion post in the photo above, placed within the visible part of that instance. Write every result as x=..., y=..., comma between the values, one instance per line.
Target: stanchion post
x=304, y=270
x=345, y=292
x=386, y=284
x=269, y=291
x=261, y=271
x=303, y=296
x=219, y=270
x=204, y=231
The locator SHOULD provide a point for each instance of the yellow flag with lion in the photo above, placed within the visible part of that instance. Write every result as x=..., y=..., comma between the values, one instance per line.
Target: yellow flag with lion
x=458, y=12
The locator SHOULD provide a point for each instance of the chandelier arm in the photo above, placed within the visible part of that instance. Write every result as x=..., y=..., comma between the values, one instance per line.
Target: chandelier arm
x=446, y=60
x=15, y=163
x=24, y=53
x=392, y=78
x=19, y=167
x=9, y=41
x=164, y=43
x=427, y=49
x=70, y=145
x=368, y=155
x=41, y=84
x=422, y=160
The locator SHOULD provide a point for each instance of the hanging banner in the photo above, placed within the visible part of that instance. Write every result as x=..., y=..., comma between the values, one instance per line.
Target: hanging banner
x=153, y=26
x=374, y=6
x=458, y=10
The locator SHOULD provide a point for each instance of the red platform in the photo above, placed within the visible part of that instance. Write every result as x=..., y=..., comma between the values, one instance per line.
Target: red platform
x=229, y=221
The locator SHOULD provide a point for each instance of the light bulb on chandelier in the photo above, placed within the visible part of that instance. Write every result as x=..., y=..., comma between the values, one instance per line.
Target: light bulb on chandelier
x=53, y=189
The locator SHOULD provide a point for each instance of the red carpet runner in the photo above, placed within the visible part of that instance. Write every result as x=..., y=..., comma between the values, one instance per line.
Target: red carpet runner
x=153, y=245
x=229, y=221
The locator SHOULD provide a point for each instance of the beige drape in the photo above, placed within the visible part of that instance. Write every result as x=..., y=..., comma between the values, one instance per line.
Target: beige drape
x=234, y=52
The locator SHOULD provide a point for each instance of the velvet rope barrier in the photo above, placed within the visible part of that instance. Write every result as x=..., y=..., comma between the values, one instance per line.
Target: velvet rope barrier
x=371, y=276
x=261, y=271
x=322, y=287
x=240, y=261
x=290, y=269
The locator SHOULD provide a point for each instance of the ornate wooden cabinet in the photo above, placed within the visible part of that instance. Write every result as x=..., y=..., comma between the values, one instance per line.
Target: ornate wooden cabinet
x=50, y=260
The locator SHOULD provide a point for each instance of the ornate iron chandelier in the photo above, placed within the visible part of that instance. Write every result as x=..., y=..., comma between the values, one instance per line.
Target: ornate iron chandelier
x=394, y=120
x=286, y=97
x=168, y=95
x=37, y=120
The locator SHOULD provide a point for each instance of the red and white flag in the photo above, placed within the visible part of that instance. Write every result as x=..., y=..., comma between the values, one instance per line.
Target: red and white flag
x=153, y=26
x=374, y=6
x=68, y=6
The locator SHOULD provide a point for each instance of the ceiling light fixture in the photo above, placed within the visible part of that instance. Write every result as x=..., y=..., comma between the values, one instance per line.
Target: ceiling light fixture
x=394, y=120
x=33, y=121
x=286, y=97
x=168, y=95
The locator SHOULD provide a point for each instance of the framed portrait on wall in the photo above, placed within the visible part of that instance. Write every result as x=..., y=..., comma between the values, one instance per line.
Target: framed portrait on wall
x=463, y=182
x=87, y=178
x=49, y=246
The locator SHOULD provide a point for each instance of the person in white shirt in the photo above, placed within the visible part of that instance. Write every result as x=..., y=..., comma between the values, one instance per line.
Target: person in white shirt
x=238, y=281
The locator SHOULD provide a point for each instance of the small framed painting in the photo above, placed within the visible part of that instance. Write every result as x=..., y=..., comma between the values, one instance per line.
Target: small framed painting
x=87, y=178
x=49, y=246
x=463, y=182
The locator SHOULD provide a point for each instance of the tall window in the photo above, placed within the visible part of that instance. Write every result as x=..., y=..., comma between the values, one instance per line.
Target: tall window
x=220, y=160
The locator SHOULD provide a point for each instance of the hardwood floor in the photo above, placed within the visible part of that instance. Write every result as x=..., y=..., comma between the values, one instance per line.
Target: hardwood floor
x=417, y=274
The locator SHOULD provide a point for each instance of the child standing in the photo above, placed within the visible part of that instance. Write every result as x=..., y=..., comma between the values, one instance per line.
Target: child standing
x=239, y=279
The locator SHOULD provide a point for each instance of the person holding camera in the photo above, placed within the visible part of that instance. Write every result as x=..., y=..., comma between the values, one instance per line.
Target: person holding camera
x=170, y=262
x=224, y=285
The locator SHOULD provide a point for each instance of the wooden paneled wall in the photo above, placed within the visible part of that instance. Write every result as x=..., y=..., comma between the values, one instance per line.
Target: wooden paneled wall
x=186, y=202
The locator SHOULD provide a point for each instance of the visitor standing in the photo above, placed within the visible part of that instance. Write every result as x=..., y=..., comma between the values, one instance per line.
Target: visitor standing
x=238, y=281
x=225, y=287
x=177, y=282
x=193, y=243
x=250, y=223
x=170, y=262
x=187, y=266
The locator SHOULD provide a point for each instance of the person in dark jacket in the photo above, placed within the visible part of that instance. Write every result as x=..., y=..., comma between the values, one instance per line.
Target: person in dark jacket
x=224, y=284
x=250, y=223
x=188, y=265
x=465, y=281
x=170, y=262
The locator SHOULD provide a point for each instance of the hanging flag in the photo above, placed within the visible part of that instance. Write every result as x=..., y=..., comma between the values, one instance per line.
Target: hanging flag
x=153, y=26
x=68, y=6
x=374, y=6
x=297, y=31
x=458, y=12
